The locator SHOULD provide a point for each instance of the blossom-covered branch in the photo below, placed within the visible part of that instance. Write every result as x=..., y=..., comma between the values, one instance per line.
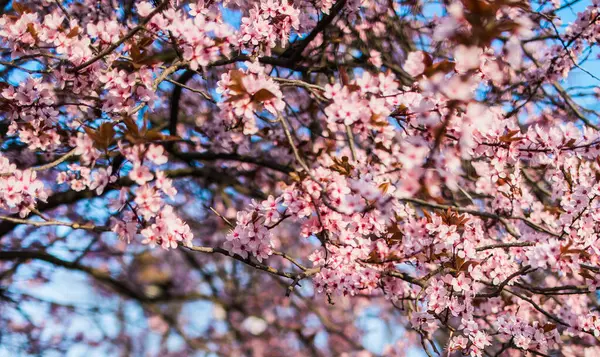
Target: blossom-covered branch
x=268, y=178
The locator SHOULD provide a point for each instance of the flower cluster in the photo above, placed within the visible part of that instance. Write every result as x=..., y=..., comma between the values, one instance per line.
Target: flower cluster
x=168, y=231
x=80, y=178
x=251, y=235
x=247, y=92
x=32, y=113
x=203, y=38
x=269, y=22
x=123, y=90
x=363, y=103
x=19, y=189
x=528, y=336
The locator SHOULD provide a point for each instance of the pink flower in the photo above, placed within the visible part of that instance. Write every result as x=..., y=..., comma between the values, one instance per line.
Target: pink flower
x=148, y=201
x=416, y=63
x=165, y=184
x=125, y=230
x=480, y=339
x=461, y=283
x=151, y=237
x=467, y=58
x=155, y=153
x=458, y=343
x=144, y=8
x=140, y=174
x=100, y=179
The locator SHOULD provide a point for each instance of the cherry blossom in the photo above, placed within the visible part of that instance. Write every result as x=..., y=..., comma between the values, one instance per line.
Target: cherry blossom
x=300, y=175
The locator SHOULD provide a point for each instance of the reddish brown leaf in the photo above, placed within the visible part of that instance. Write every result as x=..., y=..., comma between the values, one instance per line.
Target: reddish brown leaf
x=135, y=52
x=467, y=264
x=344, y=75
x=570, y=143
x=74, y=32
x=20, y=8
x=145, y=42
x=105, y=135
x=237, y=84
x=440, y=67
x=549, y=327
x=32, y=31
x=263, y=95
